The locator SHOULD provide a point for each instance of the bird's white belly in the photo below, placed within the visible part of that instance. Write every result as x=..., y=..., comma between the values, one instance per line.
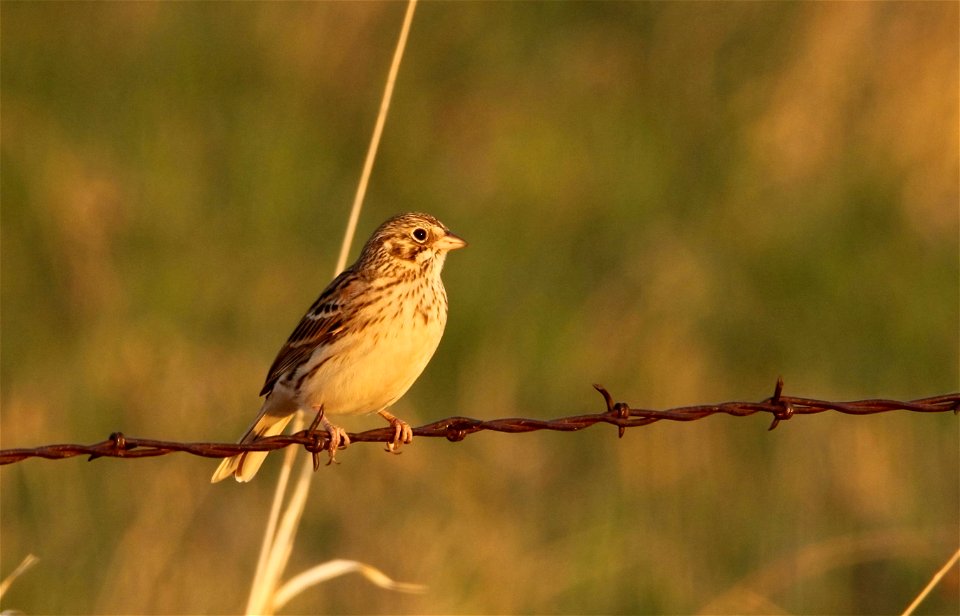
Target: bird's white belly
x=368, y=372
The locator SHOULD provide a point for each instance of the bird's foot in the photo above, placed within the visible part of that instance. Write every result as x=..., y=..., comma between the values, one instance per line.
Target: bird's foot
x=402, y=432
x=338, y=438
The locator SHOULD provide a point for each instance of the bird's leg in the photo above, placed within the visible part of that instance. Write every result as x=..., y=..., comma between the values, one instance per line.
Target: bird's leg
x=338, y=436
x=402, y=432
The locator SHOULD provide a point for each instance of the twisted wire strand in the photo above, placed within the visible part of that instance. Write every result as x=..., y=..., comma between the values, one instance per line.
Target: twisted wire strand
x=454, y=429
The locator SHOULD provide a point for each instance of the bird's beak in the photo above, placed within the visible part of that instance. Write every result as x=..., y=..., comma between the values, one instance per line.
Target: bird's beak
x=450, y=242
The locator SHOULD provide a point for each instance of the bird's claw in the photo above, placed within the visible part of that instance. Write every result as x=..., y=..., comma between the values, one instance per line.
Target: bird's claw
x=339, y=439
x=402, y=432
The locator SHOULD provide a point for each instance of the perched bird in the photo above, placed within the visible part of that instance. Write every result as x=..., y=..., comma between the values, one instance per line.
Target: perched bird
x=363, y=343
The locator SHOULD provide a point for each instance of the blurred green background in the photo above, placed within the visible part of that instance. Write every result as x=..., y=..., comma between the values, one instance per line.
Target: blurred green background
x=679, y=201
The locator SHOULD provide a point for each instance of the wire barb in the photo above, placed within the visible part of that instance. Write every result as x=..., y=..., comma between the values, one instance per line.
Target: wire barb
x=456, y=429
x=786, y=409
x=619, y=411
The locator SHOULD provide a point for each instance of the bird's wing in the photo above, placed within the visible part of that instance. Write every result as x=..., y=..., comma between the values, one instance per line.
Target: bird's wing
x=324, y=322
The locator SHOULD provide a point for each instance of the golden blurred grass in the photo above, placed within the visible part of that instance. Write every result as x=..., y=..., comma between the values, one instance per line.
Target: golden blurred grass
x=680, y=201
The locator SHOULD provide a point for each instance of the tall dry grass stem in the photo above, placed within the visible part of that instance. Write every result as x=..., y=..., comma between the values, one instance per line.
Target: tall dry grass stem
x=282, y=528
x=375, y=139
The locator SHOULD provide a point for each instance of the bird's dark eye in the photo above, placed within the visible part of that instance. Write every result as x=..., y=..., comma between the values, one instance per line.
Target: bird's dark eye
x=419, y=234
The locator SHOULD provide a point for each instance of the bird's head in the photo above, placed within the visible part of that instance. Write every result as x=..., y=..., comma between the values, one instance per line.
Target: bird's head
x=410, y=242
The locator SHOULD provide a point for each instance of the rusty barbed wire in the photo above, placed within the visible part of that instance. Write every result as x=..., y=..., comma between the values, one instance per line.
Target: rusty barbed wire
x=619, y=414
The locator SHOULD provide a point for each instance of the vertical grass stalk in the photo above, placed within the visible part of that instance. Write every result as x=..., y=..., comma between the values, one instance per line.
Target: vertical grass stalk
x=278, y=539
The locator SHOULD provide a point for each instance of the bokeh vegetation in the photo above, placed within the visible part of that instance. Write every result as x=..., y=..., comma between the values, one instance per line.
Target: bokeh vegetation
x=679, y=201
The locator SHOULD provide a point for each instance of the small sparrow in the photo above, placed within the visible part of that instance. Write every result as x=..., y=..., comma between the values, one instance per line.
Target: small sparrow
x=363, y=342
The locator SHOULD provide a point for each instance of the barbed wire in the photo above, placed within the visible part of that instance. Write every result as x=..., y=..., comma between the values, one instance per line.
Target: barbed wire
x=619, y=414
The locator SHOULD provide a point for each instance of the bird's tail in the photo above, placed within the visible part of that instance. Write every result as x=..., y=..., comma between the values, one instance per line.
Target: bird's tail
x=245, y=465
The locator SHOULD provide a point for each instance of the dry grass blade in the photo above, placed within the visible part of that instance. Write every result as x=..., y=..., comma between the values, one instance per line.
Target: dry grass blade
x=335, y=568
x=27, y=562
x=933, y=582
x=260, y=589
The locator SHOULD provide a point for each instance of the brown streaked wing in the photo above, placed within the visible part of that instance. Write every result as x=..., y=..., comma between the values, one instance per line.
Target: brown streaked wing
x=323, y=323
